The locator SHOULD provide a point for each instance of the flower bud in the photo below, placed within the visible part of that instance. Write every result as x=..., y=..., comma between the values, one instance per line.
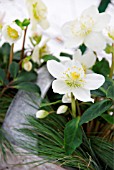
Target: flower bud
x=62, y=109
x=27, y=66
x=41, y=114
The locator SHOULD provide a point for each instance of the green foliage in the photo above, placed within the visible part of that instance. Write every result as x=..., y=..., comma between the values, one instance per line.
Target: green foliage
x=95, y=110
x=4, y=55
x=14, y=68
x=5, y=101
x=108, y=118
x=62, y=54
x=28, y=86
x=110, y=92
x=102, y=91
x=109, y=49
x=50, y=57
x=5, y=145
x=45, y=138
x=26, y=22
x=82, y=48
x=2, y=76
x=22, y=24
x=25, y=77
x=104, y=150
x=102, y=67
x=72, y=135
x=103, y=5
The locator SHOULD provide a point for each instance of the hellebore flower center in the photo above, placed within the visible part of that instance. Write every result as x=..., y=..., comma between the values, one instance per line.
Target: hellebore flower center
x=12, y=33
x=83, y=27
x=74, y=77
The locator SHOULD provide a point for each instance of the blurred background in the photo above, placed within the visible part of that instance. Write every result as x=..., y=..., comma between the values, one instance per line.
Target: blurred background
x=59, y=12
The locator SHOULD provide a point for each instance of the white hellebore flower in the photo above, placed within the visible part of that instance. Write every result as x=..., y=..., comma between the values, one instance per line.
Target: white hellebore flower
x=27, y=66
x=38, y=13
x=62, y=109
x=11, y=32
x=87, y=29
x=87, y=60
x=39, y=51
x=2, y=15
x=41, y=114
x=70, y=77
x=109, y=32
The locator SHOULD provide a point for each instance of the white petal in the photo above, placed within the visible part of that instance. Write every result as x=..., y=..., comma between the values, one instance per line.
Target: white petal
x=55, y=68
x=44, y=24
x=66, y=98
x=95, y=41
x=89, y=59
x=93, y=81
x=71, y=63
x=74, y=63
x=74, y=42
x=102, y=21
x=5, y=32
x=71, y=40
x=60, y=87
x=91, y=11
x=83, y=95
x=67, y=29
x=77, y=55
x=36, y=54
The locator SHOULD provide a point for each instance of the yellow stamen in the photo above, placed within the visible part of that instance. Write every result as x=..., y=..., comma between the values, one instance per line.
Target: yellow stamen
x=111, y=36
x=12, y=33
x=35, y=12
x=1, y=26
x=75, y=76
x=84, y=68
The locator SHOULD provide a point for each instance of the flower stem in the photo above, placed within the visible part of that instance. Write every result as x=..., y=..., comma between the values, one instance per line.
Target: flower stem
x=78, y=108
x=73, y=105
x=10, y=59
x=23, y=46
x=112, y=66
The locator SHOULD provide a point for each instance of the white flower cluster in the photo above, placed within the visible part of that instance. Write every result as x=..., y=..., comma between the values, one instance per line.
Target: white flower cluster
x=88, y=29
x=72, y=76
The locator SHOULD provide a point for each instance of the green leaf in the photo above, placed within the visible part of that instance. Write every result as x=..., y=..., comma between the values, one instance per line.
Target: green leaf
x=28, y=86
x=18, y=22
x=108, y=118
x=2, y=75
x=108, y=82
x=99, y=92
x=103, y=5
x=17, y=55
x=26, y=22
x=102, y=67
x=14, y=68
x=72, y=135
x=110, y=92
x=6, y=49
x=50, y=57
x=82, y=48
x=62, y=54
x=95, y=110
x=26, y=77
x=23, y=24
